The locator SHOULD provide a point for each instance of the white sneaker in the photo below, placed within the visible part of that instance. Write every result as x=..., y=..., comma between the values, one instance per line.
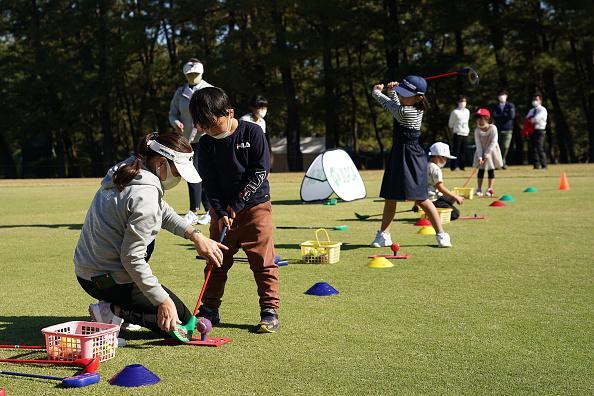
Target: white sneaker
x=443, y=240
x=382, y=239
x=191, y=217
x=101, y=313
x=478, y=193
x=131, y=327
x=204, y=219
x=122, y=342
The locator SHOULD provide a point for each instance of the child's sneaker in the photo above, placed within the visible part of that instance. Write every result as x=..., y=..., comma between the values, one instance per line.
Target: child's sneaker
x=443, y=240
x=101, y=313
x=204, y=219
x=382, y=239
x=490, y=192
x=191, y=217
x=131, y=327
x=478, y=192
x=269, y=322
x=209, y=313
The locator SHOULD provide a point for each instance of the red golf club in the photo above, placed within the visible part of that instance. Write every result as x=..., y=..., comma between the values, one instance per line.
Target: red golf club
x=17, y=346
x=473, y=76
x=88, y=365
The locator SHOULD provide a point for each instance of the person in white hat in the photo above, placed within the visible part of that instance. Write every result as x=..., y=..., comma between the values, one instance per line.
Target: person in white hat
x=181, y=120
x=438, y=193
x=119, y=231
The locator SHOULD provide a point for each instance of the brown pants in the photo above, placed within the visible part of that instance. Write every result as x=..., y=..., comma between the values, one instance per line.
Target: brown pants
x=251, y=231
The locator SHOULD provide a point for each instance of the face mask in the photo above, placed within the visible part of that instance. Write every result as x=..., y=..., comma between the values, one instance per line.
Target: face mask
x=170, y=181
x=461, y=105
x=441, y=164
x=227, y=132
x=535, y=103
x=502, y=98
x=194, y=78
x=261, y=113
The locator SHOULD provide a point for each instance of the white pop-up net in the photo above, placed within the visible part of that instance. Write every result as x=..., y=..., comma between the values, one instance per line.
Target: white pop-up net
x=332, y=172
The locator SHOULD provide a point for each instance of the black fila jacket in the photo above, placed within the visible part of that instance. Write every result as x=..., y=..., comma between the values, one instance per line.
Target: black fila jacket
x=235, y=169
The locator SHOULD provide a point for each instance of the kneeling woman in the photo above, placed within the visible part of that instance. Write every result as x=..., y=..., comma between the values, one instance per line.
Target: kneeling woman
x=117, y=237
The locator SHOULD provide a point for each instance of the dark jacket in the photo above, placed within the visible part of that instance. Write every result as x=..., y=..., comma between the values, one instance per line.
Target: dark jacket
x=504, y=117
x=234, y=170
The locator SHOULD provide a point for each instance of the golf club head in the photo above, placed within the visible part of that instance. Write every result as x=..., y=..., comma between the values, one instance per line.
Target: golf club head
x=184, y=332
x=473, y=76
x=81, y=380
x=89, y=365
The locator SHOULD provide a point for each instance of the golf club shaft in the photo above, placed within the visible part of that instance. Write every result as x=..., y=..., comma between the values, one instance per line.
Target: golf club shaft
x=208, y=272
x=442, y=75
x=16, y=346
x=50, y=377
x=469, y=177
x=306, y=228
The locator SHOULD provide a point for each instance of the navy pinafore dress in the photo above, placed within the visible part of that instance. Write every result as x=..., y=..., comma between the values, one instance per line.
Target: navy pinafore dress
x=405, y=177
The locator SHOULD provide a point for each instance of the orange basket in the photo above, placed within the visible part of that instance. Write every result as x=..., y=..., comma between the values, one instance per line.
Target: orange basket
x=78, y=339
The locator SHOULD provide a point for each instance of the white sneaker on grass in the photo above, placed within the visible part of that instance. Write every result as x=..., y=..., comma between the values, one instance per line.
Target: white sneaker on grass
x=382, y=239
x=101, y=313
x=443, y=240
x=131, y=327
x=191, y=217
x=204, y=219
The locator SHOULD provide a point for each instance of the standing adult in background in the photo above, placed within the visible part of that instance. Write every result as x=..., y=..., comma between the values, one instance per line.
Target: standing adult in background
x=181, y=120
x=503, y=114
x=258, y=110
x=537, y=115
x=458, y=125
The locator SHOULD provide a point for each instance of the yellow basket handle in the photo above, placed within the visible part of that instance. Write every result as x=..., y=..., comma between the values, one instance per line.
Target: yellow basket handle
x=318, y=238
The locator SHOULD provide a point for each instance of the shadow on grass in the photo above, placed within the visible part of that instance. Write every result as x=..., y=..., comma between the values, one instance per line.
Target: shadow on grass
x=26, y=330
x=69, y=226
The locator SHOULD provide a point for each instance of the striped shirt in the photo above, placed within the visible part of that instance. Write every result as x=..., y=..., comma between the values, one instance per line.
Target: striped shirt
x=407, y=116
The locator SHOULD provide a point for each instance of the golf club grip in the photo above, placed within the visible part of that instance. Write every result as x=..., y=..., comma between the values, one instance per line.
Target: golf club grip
x=50, y=377
x=208, y=272
x=22, y=347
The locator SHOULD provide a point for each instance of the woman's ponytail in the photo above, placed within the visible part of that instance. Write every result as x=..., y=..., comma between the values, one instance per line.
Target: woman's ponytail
x=128, y=172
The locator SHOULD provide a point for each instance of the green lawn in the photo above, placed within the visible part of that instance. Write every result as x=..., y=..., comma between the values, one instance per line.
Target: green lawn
x=508, y=310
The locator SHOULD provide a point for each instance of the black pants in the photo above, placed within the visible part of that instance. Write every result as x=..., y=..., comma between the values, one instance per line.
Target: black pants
x=197, y=193
x=459, y=150
x=135, y=307
x=537, y=141
x=444, y=203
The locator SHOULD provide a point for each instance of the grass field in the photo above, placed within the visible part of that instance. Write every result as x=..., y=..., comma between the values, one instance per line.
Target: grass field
x=508, y=310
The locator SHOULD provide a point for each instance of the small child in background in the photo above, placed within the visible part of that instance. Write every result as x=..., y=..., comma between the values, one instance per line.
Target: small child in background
x=438, y=193
x=488, y=154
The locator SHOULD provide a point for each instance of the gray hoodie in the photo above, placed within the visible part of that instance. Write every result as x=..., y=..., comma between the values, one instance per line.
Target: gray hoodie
x=118, y=228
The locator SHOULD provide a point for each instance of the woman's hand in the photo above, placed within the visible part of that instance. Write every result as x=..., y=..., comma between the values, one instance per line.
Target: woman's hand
x=378, y=87
x=209, y=249
x=167, y=315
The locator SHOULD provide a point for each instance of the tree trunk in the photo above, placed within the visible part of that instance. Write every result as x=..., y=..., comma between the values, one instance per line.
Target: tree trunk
x=7, y=164
x=461, y=81
x=370, y=103
x=330, y=116
x=496, y=37
x=292, y=131
x=564, y=137
x=104, y=86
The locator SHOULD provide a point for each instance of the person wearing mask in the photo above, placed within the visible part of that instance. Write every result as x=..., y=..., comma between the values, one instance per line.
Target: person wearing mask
x=503, y=114
x=181, y=120
x=537, y=116
x=458, y=125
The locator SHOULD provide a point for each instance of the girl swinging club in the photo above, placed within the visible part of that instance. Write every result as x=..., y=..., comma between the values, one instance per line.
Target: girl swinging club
x=405, y=178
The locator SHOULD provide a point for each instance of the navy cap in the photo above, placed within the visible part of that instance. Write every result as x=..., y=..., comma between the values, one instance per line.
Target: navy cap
x=411, y=86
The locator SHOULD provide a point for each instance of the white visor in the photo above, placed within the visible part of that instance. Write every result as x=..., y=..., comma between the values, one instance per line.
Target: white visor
x=193, y=67
x=184, y=162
